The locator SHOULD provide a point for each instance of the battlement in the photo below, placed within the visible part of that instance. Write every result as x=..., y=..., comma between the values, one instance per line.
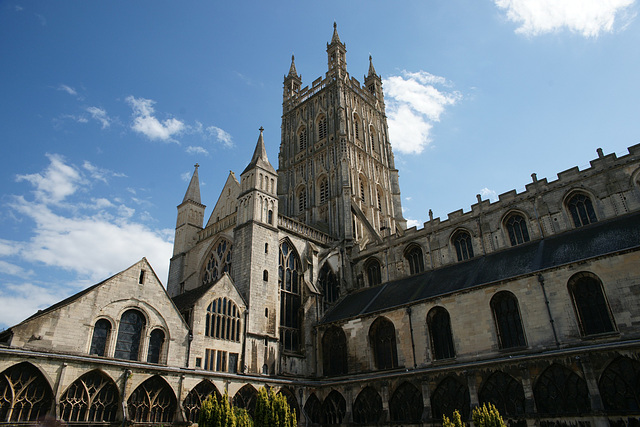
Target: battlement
x=303, y=230
x=218, y=226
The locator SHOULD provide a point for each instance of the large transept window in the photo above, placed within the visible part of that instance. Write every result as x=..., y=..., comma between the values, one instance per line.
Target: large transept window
x=218, y=262
x=132, y=324
x=290, y=280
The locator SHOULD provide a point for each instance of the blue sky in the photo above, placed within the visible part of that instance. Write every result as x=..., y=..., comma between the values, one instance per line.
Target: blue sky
x=106, y=107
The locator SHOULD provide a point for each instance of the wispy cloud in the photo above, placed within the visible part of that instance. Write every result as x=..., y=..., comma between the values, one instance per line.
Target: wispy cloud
x=213, y=132
x=147, y=124
x=588, y=18
x=489, y=194
x=68, y=89
x=197, y=150
x=99, y=173
x=100, y=115
x=414, y=103
x=56, y=182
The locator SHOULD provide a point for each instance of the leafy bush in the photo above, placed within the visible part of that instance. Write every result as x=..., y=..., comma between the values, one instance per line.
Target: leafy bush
x=457, y=422
x=487, y=416
x=272, y=410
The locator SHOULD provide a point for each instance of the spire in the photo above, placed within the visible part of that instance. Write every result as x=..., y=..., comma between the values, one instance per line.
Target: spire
x=372, y=71
x=292, y=71
x=193, y=191
x=335, y=38
x=260, y=156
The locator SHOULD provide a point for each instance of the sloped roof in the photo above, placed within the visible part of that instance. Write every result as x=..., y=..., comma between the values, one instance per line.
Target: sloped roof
x=188, y=299
x=583, y=243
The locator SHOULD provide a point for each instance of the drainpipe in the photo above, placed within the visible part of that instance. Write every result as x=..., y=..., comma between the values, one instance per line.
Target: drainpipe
x=413, y=345
x=546, y=301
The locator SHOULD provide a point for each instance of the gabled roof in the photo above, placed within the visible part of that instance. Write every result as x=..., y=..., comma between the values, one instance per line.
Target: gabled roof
x=187, y=300
x=580, y=244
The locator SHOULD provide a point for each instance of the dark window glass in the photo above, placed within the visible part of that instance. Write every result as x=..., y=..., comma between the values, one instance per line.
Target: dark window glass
x=620, y=386
x=246, y=398
x=25, y=394
x=560, y=391
x=505, y=393
x=517, y=229
x=406, y=404
x=196, y=396
x=507, y=316
x=324, y=191
x=129, y=335
x=440, y=331
x=450, y=395
x=416, y=260
x=312, y=408
x=334, y=351
x=322, y=127
x=592, y=308
x=91, y=398
x=101, y=332
x=329, y=284
x=333, y=409
x=223, y=320
x=291, y=400
x=374, y=275
x=581, y=210
x=302, y=139
x=290, y=297
x=218, y=262
x=302, y=200
x=367, y=408
x=462, y=242
x=382, y=336
x=156, y=339
x=152, y=402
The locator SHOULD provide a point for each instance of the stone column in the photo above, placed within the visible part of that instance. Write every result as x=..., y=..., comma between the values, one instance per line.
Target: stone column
x=384, y=393
x=426, y=400
x=529, y=402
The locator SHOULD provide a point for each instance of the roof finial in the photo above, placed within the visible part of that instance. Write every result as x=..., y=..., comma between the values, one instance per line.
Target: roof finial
x=292, y=70
x=261, y=129
x=372, y=71
x=196, y=166
x=335, y=38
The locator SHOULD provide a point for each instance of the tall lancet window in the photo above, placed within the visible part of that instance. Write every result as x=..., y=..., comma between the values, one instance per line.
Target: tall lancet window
x=290, y=280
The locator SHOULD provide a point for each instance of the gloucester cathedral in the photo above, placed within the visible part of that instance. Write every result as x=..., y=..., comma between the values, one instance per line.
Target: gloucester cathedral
x=306, y=279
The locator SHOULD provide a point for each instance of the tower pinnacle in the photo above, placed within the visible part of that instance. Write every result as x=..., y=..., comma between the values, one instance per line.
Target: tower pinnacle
x=193, y=191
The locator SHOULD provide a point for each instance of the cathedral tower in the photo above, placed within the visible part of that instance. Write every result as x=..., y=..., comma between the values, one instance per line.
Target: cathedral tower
x=336, y=168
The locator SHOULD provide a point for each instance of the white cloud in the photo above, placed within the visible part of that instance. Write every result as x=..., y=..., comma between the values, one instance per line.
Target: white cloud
x=68, y=89
x=413, y=105
x=197, y=150
x=489, y=194
x=100, y=174
x=20, y=300
x=588, y=18
x=146, y=123
x=413, y=223
x=100, y=115
x=186, y=176
x=13, y=270
x=57, y=182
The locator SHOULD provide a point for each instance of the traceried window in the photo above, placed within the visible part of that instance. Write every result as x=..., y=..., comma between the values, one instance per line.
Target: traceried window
x=302, y=139
x=367, y=408
x=334, y=352
x=333, y=409
x=517, y=229
x=196, y=396
x=413, y=254
x=223, y=320
x=507, y=317
x=382, y=336
x=291, y=400
x=25, y=394
x=464, y=248
x=450, y=395
x=406, y=405
x=101, y=334
x=156, y=342
x=329, y=284
x=560, y=391
x=619, y=385
x=372, y=138
x=246, y=398
x=439, y=324
x=312, y=408
x=132, y=324
x=581, y=209
x=591, y=306
x=362, y=192
x=322, y=127
x=152, y=402
x=91, y=398
x=324, y=190
x=372, y=268
x=379, y=200
x=218, y=262
x=289, y=279
x=505, y=393
x=356, y=126
x=302, y=200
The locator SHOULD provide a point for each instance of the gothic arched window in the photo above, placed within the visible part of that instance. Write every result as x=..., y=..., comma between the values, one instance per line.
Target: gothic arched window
x=302, y=200
x=464, y=248
x=302, y=139
x=132, y=324
x=329, y=284
x=333, y=409
x=25, y=394
x=620, y=385
x=413, y=254
x=312, y=408
x=223, y=320
x=324, y=190
x=581, y=210
x=322, y=127
x=93, y=397
x=439, y=325
x=372, y=267
x=382, y=336
x=505, y=393
x=196, y=396
x=101, y=333
x=356, y=126
x=246, y=398
x=372, y=138
x=517, y=229
x=290, y=280
x=334, y=352
x=218, y=262
x=590, y=303
x=450, y=395
x=507, y=317
x=367, y=408
x=156, y=341
x=560, y=391
x=291, y=400
x=406, y=405
x=152, y=402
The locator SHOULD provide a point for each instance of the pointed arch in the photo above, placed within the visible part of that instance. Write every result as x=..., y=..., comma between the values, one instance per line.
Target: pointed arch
x=246, y=398
x=382, y=336
x=312, y=408
x=590, y=304
x=356, y=126
x=516, y=225
x=506, y=314
x=505, y=393
x=580, y=208
x=334, y=352
x=333, y=409
x=414, y=256
x=291, y=400
x=450, y=395
x=363, y=182
x=302, y=138
x=94, y=397
x=461, y=240
x=218, y=261
x=196, y=396
x=322, y=126
x=439, y=325
x=290, y=282
x=560, y=391
x=100, y=338
x=367, y=408
x=373, y=269
x=302, y=199
x=152, y=401
x=329, y=284
x=25, y=393
x=130, y=335
x=406, y=404
x=223, y=320
x=619, y=385
x=373, y=139
x=323, y=190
